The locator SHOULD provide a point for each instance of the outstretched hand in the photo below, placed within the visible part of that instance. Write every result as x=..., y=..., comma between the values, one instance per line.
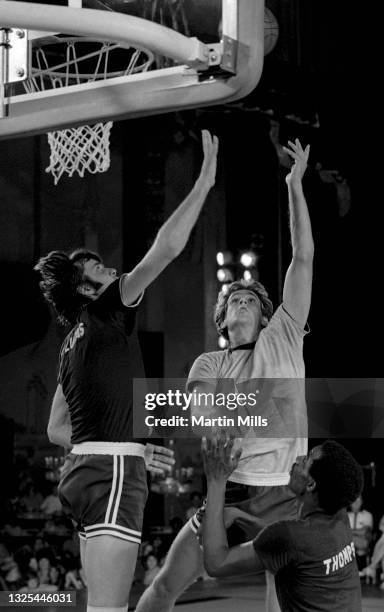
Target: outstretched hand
x=210, y=148
x=219, y=459
x=158, y=459
x=300, y=157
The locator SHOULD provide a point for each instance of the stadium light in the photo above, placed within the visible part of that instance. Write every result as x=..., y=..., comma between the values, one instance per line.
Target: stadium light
x=224, y=258
x=248, y=259
x=224, y=275
x=222, y=342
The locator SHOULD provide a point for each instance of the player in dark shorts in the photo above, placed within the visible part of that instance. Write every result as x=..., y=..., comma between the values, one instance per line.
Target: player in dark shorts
x=103, y=484
x=313, y=557
x=262, y=345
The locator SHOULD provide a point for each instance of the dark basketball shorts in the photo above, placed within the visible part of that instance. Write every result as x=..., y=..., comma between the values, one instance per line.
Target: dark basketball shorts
x=105, y=494
x=268, y=504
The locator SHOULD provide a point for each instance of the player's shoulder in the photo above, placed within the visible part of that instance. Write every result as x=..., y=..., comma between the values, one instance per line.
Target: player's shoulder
x=206, y=365
x=283, y=320
x=277, y=532
x=214, y=354
x=212, y=357
x=109, y=296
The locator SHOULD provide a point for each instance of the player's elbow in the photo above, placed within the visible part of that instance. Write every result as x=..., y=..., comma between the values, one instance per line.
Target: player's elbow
x=169, y=245
x=51, y=435
x=304, y=254
x=213, y=564
x=212, y=568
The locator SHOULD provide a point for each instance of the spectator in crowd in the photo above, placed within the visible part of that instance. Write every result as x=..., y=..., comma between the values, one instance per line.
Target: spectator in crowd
x=31, y=500
x=4, y=555
x=39, y=544
x=12, y=575
x=361, y=522
x=23, y=558
x=12, y=528
x=152, y=570
x=146, y=549
x=56, y=577
x=196, y=501
x=377, y=561
x=51, y=504
x=33, y=566
x=32, y=582
x=44, y=568
x=72, y=545
x=158, y=547
x=176, y=524
x=73, y=579
x=49, y=528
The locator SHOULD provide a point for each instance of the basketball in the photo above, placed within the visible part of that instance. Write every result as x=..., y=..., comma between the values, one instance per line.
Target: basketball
x=271, y=31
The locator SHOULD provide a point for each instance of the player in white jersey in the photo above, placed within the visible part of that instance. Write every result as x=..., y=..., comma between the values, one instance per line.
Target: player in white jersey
x=261, y=346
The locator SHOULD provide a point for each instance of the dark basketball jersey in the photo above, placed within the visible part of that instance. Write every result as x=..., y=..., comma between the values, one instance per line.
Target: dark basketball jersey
x=313, y=560
x=98, y=361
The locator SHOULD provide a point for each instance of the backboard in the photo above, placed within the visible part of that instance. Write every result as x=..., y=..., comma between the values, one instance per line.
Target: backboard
x=206, y=52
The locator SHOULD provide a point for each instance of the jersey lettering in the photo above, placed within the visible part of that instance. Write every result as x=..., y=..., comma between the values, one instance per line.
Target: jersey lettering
x=339, y=560
x=77, y=333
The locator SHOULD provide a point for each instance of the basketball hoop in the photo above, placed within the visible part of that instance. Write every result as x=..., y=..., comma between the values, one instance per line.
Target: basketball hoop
x=62, y=61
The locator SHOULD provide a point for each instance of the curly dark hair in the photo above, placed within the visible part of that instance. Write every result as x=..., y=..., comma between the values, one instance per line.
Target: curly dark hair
x=222, y=301
x=61, y=275
x=339, y=478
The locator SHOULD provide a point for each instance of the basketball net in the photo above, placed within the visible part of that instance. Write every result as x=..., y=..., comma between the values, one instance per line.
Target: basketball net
x=66, y=61
x=79, y=149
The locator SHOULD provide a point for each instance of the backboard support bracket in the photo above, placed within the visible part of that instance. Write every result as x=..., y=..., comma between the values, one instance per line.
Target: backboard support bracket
x=13, y=60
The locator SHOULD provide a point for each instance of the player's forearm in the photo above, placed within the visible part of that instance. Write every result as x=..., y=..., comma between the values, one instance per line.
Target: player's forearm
x=300, y=223
x=174, y=234
x=214, y=533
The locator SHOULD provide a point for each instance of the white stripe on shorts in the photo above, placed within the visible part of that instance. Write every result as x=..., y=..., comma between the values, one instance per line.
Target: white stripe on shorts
x=113, y=488
x=194, y=524
x=97, y=526
x=115, y=533
x=119, y=491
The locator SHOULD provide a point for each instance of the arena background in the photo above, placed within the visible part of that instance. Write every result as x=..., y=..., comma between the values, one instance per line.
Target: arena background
x=318, y=85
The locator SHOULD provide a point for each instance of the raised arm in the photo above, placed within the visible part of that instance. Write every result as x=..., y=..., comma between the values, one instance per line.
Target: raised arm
x=298, y=280
x=173, y=235
x=219, y=559
x=59, y=426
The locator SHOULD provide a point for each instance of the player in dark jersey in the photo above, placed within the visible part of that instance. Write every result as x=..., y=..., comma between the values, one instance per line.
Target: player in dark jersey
x=103, y=484
x=312, y=558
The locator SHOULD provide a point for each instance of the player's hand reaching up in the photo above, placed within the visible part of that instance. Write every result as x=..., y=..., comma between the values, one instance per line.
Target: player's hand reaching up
x=300, y=158
x=210, y=148
x=220, y=460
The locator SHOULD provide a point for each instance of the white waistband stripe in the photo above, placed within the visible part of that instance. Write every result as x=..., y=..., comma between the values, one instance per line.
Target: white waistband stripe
x=109, y=448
